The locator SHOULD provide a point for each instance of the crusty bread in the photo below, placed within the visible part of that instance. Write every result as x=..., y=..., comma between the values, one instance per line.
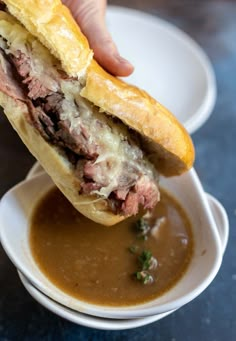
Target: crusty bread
x=164, y=137
x=55, y=164
x=166, y=142
x=53, y=25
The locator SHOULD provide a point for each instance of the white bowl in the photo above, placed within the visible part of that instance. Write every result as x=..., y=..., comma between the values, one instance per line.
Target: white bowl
x=87, y=320
x=170, y=65
x=16, y=207
x=118, y=324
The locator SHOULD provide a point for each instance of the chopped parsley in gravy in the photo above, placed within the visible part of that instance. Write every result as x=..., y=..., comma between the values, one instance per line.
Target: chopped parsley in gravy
x=130, y=263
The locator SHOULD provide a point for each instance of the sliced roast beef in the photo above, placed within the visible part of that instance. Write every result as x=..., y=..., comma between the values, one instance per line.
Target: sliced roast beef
x=36, y=88
x=23, y=65
x=53, y=104
x=122, y=193
x=96, y=172
x=133, y=187
x=131, y=204
x=144, y=193
x=88, y=187
x=148, y=192
x=75, y=139
x=8, y=80
x=41, y=122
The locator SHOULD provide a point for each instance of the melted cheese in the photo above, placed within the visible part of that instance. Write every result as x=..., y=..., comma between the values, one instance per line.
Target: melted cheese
x=42, y=62
x=110, y=138
x=16, y=36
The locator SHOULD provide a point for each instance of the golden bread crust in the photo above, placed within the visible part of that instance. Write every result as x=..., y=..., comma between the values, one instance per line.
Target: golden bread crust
x=166, y=142
x=55, y=164
x=52, y=23
x=164, y=138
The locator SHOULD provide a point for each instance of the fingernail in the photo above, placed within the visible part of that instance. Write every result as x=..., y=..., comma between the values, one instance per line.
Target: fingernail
x=123, y=60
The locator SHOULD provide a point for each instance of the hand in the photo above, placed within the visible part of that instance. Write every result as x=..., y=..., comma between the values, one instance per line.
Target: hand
x=90, y=15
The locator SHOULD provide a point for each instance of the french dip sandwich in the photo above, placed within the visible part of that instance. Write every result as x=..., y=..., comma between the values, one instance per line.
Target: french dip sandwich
x=102, y=141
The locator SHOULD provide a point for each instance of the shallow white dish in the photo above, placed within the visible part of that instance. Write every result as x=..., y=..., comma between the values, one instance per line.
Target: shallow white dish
x=87, y=320
x=168, y=64
x=75, y=316
x=17, y=204
x=115, y=324
x=221, y=220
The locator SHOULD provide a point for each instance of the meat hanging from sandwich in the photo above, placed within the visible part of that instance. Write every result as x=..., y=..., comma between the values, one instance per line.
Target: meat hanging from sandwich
x=77, y=123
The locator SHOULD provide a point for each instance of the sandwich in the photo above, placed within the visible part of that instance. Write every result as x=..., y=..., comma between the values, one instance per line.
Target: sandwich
x=102, y=141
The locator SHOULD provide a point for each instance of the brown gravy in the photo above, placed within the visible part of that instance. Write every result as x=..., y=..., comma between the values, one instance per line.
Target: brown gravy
x=94, y=263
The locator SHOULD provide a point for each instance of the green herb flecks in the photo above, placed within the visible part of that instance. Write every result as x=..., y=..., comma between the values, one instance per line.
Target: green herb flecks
x=133, y=249
x=143, y=228
x=148, y=262
x=144, y=277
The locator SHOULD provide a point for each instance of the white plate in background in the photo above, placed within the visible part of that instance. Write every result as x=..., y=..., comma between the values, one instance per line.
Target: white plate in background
x=168, y=64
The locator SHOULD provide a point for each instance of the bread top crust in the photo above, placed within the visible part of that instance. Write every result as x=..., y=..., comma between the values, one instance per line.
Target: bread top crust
x=163, y=138
x=52, y=23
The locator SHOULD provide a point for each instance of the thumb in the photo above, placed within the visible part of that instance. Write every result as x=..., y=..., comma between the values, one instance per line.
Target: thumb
x=90, y=15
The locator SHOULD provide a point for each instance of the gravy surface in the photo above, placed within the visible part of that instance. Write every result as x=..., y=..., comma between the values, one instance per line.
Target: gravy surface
x=94, y=263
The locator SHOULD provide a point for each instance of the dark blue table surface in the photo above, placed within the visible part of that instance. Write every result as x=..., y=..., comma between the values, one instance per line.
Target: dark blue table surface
x=212, y=316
